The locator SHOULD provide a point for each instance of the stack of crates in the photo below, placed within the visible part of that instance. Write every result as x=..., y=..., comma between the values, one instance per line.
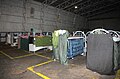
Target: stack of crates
x=75, y=47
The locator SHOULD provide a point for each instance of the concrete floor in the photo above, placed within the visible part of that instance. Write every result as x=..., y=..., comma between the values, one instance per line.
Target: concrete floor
x=19, y=64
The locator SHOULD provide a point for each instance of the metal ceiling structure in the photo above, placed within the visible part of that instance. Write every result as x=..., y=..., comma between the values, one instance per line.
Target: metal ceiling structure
x=85, y=8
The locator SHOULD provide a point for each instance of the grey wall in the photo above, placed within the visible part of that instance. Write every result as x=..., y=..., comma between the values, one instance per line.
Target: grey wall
x=16, y=15
x=110, y=20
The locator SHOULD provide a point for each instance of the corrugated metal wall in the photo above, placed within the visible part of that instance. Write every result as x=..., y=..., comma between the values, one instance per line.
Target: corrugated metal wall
x=110, y=20
x=21, y=15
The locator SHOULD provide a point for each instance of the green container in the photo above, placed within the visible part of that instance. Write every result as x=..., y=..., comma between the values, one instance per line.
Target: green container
x=24, y=44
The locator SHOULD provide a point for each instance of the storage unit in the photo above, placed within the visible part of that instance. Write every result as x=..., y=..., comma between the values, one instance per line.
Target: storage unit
x=81, y=34
x=75, y=46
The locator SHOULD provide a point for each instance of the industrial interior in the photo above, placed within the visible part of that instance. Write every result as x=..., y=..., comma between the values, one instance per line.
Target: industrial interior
x=59, y=39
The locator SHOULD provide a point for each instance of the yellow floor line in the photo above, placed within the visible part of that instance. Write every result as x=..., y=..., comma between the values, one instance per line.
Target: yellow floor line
x=38, y=73
x=6, y=55
x=23, y=56
x=42, y=63
x=93, y=78
x=42, y=56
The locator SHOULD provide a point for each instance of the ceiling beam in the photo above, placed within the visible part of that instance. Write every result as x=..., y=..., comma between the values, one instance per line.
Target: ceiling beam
x=53, y=1
x=68, y=4
x=74, y=2
x=88, y=6
x=100, y=8
x=79, y=6
x=101, y=12
x=62, y=3
x=45, y=1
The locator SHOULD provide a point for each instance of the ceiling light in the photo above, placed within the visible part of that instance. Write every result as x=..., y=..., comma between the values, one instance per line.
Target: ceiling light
x=76, y=7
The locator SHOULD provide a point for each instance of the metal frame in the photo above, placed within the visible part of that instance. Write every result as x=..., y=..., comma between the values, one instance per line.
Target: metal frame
x=53, y=1
x=49, y=2
x=98, y=9
x=85, y=7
